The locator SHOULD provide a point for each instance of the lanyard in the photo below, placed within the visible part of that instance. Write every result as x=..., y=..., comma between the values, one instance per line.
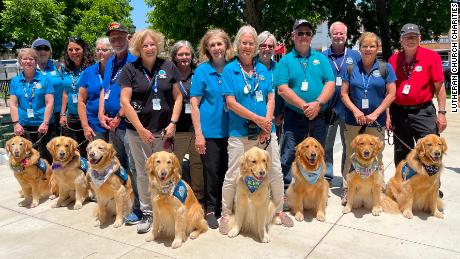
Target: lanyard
x=366, y=84
x=184, y=91
x=304, y=65
x=114, y=78
x=75, y=75
x=29, y=99
x=155, y=81
x=410, y=71
x=247, y=86
x=337, y=67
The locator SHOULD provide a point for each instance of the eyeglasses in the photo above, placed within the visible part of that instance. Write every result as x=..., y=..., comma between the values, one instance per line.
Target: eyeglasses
x=101, y=49
x=43, y=47
x=266, y=46
x=304, y=33
x=27, y=59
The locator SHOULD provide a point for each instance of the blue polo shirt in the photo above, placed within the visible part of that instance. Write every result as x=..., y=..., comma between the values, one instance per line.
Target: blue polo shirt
x=56, y=77
x=91, y=80
x=255, y=101
x=338, y=64
x=110, y=83
x=207, y=83
x=293, y=69
x=359, y=81
x=71, y=89
x=36, y=91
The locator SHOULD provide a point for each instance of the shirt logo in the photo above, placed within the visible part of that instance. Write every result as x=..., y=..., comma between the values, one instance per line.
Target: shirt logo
x=349, y=60
x=418, y=68
x=38, y=85
x=53, y=73
x=316, y=62
x=376, y=73
x=162, y=74
x=262, y=78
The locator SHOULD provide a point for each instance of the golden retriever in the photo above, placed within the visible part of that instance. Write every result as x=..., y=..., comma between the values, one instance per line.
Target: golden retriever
x=32, y=172
x=176, y=210
x=110, y=182
x=415, y=184
x=309, y=190
x=365, y=178
x=67, y=170
x=254, y=210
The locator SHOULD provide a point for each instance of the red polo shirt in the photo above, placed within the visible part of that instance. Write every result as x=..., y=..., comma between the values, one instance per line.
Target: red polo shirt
x=426, y=70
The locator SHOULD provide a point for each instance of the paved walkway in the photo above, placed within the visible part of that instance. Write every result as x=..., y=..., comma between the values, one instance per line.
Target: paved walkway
x=43, y=232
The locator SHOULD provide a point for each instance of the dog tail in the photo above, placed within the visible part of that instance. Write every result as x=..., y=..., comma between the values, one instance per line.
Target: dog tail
x=389, y=205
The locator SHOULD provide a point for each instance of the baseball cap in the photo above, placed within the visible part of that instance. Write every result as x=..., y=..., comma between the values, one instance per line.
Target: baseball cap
x=40, y=42
x=116, y=26
x=300, y=22
x=409, y=28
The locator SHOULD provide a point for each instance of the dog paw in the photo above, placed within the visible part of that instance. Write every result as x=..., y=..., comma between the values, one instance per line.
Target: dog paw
x=376, y=211
x=56, y=205
x=97, y=223
x=194, y=234
x=346, y=210
x=176, y=243
x=320, y=217
x=438, y=214
x=24, y=203
x=408, y=214
x=34, y=204
x=265, y=239
x=77, y=206
x=118, y=223
x=278, y=220
x=233, y=233
x=52, y=197
x=150, y=238
x=299, y=216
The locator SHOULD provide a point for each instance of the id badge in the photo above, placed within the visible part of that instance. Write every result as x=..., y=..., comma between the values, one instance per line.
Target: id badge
x=187, y=108
x=365, y=104
x=106, y=94
x=156, y=106
x=304, y=87
x=30, y=113
x=259, y=96
x=406, y=89
x=75, y=98
x=338, y=81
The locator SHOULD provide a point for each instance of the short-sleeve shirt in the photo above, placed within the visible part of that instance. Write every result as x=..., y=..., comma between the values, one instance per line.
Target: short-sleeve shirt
x=56, y=79
x=184, y=124
x=207, y=84
x=338, y=64
x=255, y=100
x=70, y=86
x=293, y=70
x=91, y=80
x=31, y=96
x=370, y=86
x=424, y=72
x=142, y=81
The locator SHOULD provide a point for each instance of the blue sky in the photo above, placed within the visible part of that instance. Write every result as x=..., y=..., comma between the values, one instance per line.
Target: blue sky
x=139, y=14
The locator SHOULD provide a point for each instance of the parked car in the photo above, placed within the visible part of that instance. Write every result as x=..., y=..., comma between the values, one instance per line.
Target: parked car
x=9, y=68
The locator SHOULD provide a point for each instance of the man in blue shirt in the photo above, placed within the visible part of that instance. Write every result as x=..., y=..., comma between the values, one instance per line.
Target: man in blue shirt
x=337, y=54
x=305, y=81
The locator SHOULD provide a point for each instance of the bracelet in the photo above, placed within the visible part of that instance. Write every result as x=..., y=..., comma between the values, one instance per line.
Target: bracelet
x=46, y=123
x=443, y=112
x=62, y=114
x=173, y=122
x=320, y=103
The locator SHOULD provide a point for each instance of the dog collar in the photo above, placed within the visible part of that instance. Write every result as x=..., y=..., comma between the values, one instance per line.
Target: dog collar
x=21, y=166
x=100, y=177
x=56, y=165
x=252, y=183
x=168, y=188
x=363, y=171
x=311, y=176
x=431, y=169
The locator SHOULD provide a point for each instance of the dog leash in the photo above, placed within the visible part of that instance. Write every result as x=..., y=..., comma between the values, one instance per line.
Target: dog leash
x=380, y=129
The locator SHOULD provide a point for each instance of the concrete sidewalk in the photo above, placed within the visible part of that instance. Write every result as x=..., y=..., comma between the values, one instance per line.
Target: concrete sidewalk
x=43, y=232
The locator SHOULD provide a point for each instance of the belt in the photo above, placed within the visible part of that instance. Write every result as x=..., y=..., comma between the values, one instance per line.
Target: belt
x=414, y=107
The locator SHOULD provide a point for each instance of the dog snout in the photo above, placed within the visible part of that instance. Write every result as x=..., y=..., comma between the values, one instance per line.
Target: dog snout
x=366, y=153
x=163, y=173
x=16, y=153
x=61, y=154
x=437, y=153
x=92, y=154
x=313, y=155
x=262, y=173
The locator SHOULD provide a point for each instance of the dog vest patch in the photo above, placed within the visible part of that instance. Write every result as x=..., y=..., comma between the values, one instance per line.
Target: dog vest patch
x=180, y=191
x=407, y=172
x=121, y=172
x=41, y=164
x=84, y=164
x=252, y=183
x=311, y=176
x=363, y=171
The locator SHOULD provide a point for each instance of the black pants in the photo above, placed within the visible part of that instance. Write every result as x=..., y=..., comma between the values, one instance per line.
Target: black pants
x=76, y=132
x=411, y=124
x=215, y=164
x=30, y=133
x=56, y=129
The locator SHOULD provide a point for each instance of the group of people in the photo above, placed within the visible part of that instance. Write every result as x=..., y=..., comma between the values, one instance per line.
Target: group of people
x=215, y=106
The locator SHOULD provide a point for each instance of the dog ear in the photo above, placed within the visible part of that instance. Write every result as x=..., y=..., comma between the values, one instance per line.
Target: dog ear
x=268, y=160
x=354, y=142
x=150, y=164
x=379, y=144
x=73, y=145
x=243, y=162
x=113, y=152
x=28, y=145
x=444, y=145
x=321, y=149
x=8, y=145
x=50, y=146
x=420, y=147
x=177, y=166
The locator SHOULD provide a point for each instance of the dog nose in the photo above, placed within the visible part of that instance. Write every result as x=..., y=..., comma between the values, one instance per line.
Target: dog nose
x=261, y=173
x=16, y=153
x=437, y=153
x=366, y=153
x=92, y=154
x=313, y=155
x=163, y=173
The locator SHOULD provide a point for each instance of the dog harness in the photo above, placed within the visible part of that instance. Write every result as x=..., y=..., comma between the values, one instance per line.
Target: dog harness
x=408, y=172
x=311, y=176
x=179, y=190
x=252, y=183
x=364, y=172
x=83, y=165
x=41, y=164
x=99, y=177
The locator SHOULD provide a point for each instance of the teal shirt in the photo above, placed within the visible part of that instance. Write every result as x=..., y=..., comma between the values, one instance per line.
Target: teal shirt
x=56, y=79
x=294, y=69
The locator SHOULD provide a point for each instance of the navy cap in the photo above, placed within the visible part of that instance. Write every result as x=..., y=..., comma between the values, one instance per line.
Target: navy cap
x=116, y=26
x=410, y=28
x=301, y=22
x=40, y=42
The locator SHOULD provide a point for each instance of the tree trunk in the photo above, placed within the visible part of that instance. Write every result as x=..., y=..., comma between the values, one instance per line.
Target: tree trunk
x=253, y=14
x=384, y=25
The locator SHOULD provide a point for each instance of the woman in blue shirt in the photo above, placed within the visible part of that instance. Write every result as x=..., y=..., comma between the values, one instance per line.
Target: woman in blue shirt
x=89, y=91
x=367, y=91
x=210, y=118
x=77, y=57
x=31, y=102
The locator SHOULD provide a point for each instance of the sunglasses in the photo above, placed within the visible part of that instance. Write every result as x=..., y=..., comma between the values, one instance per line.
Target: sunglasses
x=304, y=33
x=45, y=48
x=266, y=46
x=101, y=49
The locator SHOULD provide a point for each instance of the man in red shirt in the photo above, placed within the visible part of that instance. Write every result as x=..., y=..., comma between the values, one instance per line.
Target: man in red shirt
x=420, y=77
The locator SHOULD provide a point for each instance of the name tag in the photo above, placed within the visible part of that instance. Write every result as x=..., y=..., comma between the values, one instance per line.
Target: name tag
x=106, y=94
x=365, y=103
x=406, y=89
x=156, y=106
x=304, y=87
x=187, y=108
x=75, y=98
x=259, y=96
x=338, y=81
x=30, y=113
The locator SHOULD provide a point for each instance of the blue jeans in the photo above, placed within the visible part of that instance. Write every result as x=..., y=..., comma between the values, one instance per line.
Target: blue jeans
x=296, y=128
x=329, y=147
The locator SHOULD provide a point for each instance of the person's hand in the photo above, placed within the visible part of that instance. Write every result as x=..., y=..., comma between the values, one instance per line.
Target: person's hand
x=264, y=136
x=264, y=123
x=43, y=128
x=63, y=120
x=18, y=129
x=146, y=136
x=200, y=144
x=89, y=133
x=311, y=109
x=388, y=123
x=359, y=117
x=370, y=118
x=114, y=123
x=105, y=121
x=441, y=122
x=279, y=119
x=170, y=130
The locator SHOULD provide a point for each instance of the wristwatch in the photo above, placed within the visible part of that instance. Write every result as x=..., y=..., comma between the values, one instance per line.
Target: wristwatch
x=173, y=122
x=320, y=103
x=443, y=112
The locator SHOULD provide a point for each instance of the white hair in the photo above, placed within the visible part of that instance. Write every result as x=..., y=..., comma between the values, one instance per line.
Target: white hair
x=334, y=24
x=264, y=36
x=243, y=30
x=103, y=40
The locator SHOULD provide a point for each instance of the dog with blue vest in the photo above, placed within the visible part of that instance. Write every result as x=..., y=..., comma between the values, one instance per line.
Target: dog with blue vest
x=415, y=185
x=176, y=211
x=69, y=169
x=32, y=172
x=309, y=189
x=110, y=182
